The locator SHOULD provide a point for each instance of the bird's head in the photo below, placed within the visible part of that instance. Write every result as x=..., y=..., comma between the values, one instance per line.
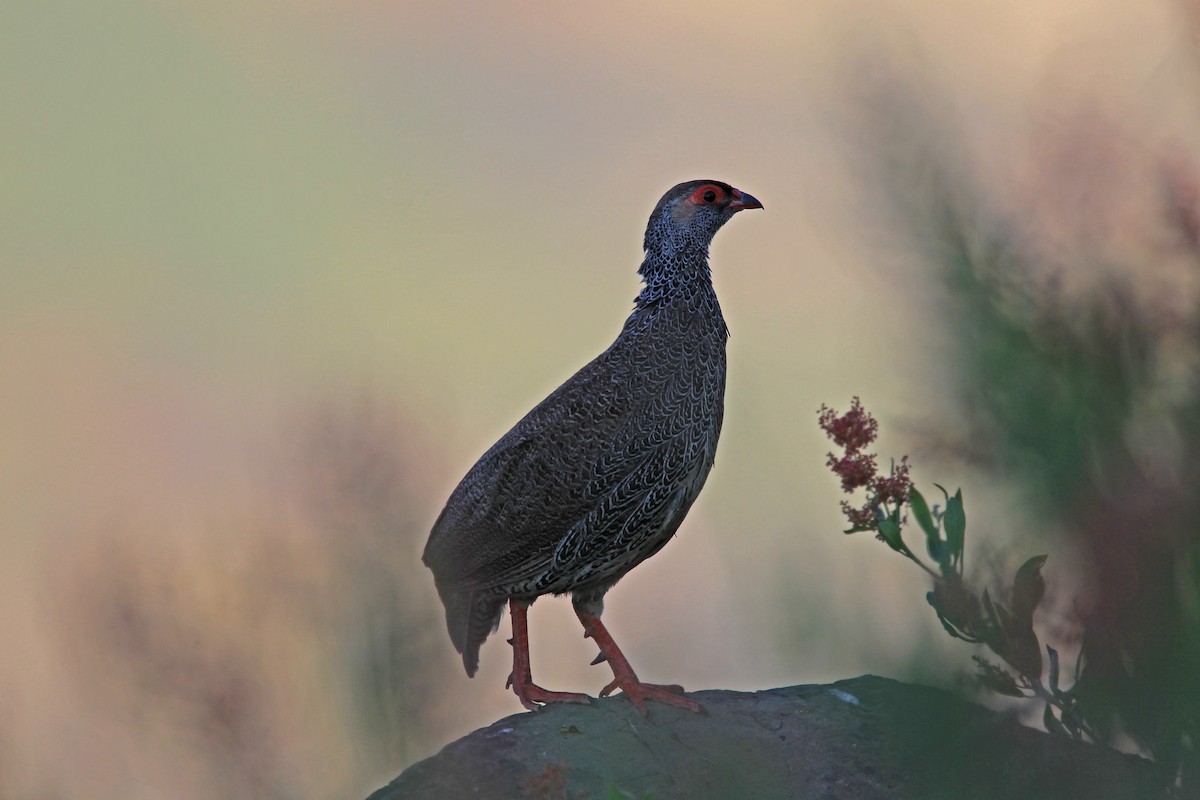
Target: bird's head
x=689, y=215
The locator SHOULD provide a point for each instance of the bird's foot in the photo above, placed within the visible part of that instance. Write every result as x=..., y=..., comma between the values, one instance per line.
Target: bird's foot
x=533, y=696
x=624, y=678
x=638, y=693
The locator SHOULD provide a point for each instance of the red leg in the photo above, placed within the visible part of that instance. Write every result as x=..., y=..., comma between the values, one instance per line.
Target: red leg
x=521, y=681
x=624, y=678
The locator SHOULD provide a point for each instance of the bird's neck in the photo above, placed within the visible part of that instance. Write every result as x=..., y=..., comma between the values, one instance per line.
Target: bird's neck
x=678, y=294
x=677, y=272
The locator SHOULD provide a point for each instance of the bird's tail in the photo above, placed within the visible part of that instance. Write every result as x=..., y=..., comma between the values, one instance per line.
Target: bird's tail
x=471, y=616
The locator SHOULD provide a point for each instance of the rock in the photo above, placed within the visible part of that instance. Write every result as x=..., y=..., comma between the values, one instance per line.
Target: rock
x=868, y=737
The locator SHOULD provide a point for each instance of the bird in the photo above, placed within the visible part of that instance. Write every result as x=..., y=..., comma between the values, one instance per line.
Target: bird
x=599, y=475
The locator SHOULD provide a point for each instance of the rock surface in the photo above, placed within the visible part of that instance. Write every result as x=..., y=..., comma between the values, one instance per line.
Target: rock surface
x=863, y=738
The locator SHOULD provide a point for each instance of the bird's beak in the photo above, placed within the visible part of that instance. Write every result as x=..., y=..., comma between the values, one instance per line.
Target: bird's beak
x=742, y=200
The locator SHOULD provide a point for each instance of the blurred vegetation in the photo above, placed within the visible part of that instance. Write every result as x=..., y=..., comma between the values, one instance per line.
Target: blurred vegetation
x=360, y=493
x=1073, y=331
x=1063, y=398
x=293, y=632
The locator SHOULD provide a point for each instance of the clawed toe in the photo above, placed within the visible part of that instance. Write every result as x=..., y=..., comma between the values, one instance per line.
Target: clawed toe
x=534, y=697
x=638, y=693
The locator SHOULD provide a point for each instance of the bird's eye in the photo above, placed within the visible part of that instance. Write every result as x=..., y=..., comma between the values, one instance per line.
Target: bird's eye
x=707, y=194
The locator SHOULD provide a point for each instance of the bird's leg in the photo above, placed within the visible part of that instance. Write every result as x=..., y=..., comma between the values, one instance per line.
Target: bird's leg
x=624, y=678
x=521, y=681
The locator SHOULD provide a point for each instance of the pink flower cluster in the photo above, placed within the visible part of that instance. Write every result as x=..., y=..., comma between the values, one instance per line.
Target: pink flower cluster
x=855, y=431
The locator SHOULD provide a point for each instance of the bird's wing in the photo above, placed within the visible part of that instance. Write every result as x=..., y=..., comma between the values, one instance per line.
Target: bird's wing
x=522, y=496
x=654, y=494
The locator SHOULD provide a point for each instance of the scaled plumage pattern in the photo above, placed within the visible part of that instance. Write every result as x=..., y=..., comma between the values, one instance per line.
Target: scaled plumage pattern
x=599, y=475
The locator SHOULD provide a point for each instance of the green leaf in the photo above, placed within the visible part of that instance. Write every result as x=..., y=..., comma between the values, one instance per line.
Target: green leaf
x=946, y=623
x=1053, y=658
x=934, y=544
x=996, y=678
x=1004, y=632
x=1018, y=644
x=954, y=521
x=1028, y=588
x=938, y=552
x=957, y=608
x=922, y=514
x=1052, y=724
x=1071, y=723
x=990, y=609
x=890, y=531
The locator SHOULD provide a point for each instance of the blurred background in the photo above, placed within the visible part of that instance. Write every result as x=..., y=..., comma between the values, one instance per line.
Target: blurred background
x=274, y=276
